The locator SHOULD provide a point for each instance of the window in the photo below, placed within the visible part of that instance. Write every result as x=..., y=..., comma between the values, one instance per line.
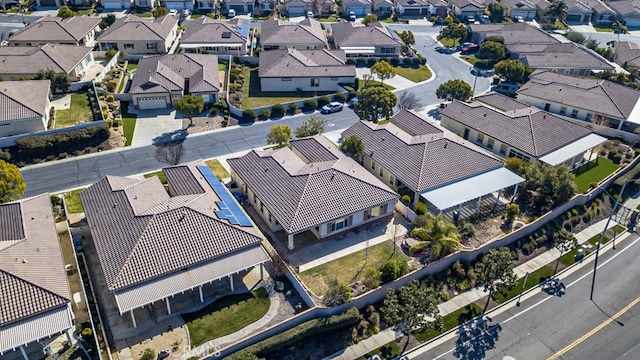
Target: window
x=466, y=134
x=490, y=144
x=128, y=46
x=563, y=110
x=255, y=199
x=480, y=139
x=519, y=155
x=261, y=208
x=381, y=173
x=374, y=212
x=315, y=82
x=387, y=50
x=151, y=46
x=503, y=149
x=212, y=48
x=285, y=79
x=574, y=113
x=143, y=3
x=588, y=117
x=339, y=224
x=392, y=180
x=334, y=79
x=373, y=165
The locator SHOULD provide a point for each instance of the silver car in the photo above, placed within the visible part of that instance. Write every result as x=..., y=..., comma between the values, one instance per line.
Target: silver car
x=331, y=107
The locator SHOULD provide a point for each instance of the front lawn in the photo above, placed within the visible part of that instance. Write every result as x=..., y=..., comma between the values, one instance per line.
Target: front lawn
x=132, y=67
x=128, y=123
x=593, y=172
x=226, y=316
x=72, y=200
x=222, y=67
x=450, y=321
x=253, y=97
x=361, y=84
x=534, y=279
x=350, y=268
x=218, y=170
x=80, y=110
x=604, y=29
x=415, y=74
x=449, y=42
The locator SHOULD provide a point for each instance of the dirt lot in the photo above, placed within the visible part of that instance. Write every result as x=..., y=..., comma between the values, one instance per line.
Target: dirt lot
x=206, y=123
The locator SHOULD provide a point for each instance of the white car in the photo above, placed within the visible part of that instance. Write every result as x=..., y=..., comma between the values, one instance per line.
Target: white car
x=331, y=108
x=231, y=13
x=352, y=16
x=518, y=19
x=485, y=19
x=173, y=12
x=310, y=14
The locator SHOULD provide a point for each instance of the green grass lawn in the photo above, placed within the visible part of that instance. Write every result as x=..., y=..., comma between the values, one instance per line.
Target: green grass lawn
x=87, y=12
x=450, y=321
x=218, y=170
x=534, y=279
x=350, y=268
x=79, y=111
x=559, y=25
x=159, y=174
x=128, y=122
x=253, y=97
x=593, y=172
x=605, y=29
x=132, y=67
x=373, y=83
x=222, y=67
x=471, y=59
x=195, y=16
x=123, y=83
x=387, y=351
x=72, y=200
x=415, y=74
x=226, y=316
x=449, y=42
x=570, y=257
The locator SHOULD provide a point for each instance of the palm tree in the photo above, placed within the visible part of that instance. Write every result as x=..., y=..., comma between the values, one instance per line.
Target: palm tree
x=619, y=28
x=557, y=9
x=443, y=235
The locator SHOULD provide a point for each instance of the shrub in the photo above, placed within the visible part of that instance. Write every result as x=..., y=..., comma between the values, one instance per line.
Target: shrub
x=310, y=104
x=278, y=110
x=395, y=61
x=322, y=101
x=392, y=270
x=406, y=199
x=249, y=115
x=361, y=62
x=110, y=54
x=293, y=107
x=110, y=98
x=148, y=354
x=352, y=94
x=340, y=97
x=371, y=278
x=351, y=61
x=371, y=62
x=613, y=153
x=111, y=85
x=337, y=294
x=237, y=59
x=513, y=210
x=414, y=249
x=421, y=208
x=5, y=156
x=417, y=61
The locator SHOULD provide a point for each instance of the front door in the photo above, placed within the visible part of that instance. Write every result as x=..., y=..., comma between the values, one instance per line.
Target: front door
x=547, y=106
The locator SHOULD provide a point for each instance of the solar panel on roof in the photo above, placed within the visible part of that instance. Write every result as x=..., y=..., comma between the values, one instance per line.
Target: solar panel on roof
x=245, y=29
x=229, y=208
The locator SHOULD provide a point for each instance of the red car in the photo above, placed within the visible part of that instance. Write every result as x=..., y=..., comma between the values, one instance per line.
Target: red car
x=469, y=49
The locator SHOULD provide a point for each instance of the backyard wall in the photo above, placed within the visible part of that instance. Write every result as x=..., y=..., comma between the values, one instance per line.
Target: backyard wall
x=238, y=112
x=108, y=67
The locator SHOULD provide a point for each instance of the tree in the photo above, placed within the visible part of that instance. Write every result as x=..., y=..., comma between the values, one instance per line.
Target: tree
x=557, y=10
x=64, y=12
x=148, y=354
x=189, y=105
x=454, y=89
x=353, y=147
x=312, y=126
x=492, y=51
x=337, y=294
x=576, y=37
x=407, y=37
x=546, y=187
x=12, y=184
x=591, y=43
x=59, y=81
x=170, y=153
x=442, y=235
x=563, y=241
x=316, y=6
x=375, y=103
x=496, y=12
x=280, y=135
x=511, y=70
x=383, y=70
x=159, y=12
x=409, y=308
x=408, y=100
x=369, y=18
x=516, y=165
x=619, y=28
x=454, y=31
x=495, y=272
x=107, y=21
x=512, y=211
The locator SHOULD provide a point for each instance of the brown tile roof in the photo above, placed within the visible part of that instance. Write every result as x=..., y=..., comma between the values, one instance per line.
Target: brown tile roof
x=313, y=150
x=55, y=29
x=302, y=195
x=414, y=124
x=560, y=56
x=626, y=52
x=350, y=33
x=133, y=28
x=588, y=5
x=207, y=30
x=304, y=63
x=521, y=4
x=462, y=3
x=531, y=130
x=280, y=32
x=626, y=7
x=501, y=102
x=32, y=274
x=140, y=231
x=597, y=95
x=23, y=99
x=30, y=59
x=515, y=33
x=164, y=73
x=422, y=162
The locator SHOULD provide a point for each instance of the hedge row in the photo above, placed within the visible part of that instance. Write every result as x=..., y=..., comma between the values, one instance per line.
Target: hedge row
x=39, y=147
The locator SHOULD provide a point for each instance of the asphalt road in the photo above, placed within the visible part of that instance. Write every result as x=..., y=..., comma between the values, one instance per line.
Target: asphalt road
x=566, y=325
x=12, y=23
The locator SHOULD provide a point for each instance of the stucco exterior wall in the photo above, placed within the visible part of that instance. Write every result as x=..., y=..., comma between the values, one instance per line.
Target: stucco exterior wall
x=292, y=84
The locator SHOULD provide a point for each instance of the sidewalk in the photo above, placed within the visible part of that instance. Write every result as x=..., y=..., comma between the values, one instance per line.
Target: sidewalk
x=473, y=295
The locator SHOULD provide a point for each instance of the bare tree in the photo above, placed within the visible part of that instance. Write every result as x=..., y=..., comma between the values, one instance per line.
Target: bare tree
x=3, y=4
x=598, y=123
x=316, y=7
x=409, y=100
x=368, y=78
x=170, y=153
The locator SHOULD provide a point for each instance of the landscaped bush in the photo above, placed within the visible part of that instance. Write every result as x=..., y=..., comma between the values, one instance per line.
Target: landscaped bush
x=265, y=114
x=395, y=61
x=310, y=104
x=249, y=115
x=148, y=354
x=406, y=199
x=110, y=54
x=111, y=85
x=340, y=97
x=293, y=107
x=392, y=270
x=278, y=110
x=421, y=208
x=5, y=156
x=110, y=98
x=371, y=278
x=361, y=62
x=322, y=101
x=351, y=61
x=371, y=62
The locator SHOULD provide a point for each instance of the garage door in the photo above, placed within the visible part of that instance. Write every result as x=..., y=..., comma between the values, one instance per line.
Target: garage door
x=574, y=18
x=237, y=8
x=110, y=5
x=412, y=11
x=632, y=22
x=296, y=10
x=356, y=10
x=151, y=103
x=524, y=14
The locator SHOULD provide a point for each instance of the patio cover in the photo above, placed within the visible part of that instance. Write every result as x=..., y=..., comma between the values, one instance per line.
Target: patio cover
x=358, y=49
x=35, y=328
x=189, y=278
x=575, y=148
x=460, y=192
x=196, y=45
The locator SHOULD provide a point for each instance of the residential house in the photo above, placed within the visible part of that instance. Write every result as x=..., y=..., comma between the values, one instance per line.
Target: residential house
x=266, y=6
x=626, y=52
x=311, y=186
x=48, y=3
x=373, y=39
x=527, y=9
x=627, y=11
x=304, y=70
x=593, y=100
x=300, y=7
x=439, y=8
x=468, y=8
x=431, y=164
x=383, y=7
x=565, y=58
x=76, y=30
x=154, y=245
x=19, y=62
x=509, y=128
x=178, y=5
x=358, y=7
x=280, y=34
x=412, y=7
x=140, y=36
x=160, y=80
x=113, y=5
x=208, y=36
x=35, y=301
x=24, y=107
x=240, y=6
x=584, y=11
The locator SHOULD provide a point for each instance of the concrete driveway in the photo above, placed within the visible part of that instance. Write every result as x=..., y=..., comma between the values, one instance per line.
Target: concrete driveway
x=153, y=123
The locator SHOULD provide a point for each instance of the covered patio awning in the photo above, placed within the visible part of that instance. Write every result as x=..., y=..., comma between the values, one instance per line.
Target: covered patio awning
x=575, y=148
x=358, y=49
x=183, y=280
x=196, y=45
x=470, y=189
x=35, y=328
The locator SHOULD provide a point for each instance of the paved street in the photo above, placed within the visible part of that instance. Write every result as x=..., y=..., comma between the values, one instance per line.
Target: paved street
x=567, y=325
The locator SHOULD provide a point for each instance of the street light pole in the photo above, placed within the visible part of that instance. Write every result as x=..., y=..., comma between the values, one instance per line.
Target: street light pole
x=522, y=290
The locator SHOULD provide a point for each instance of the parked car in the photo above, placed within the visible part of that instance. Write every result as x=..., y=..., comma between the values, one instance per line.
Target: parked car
x=353, y=101
x=471, y=19
x=310, y=14
x=518, y=19
x=506, y=88
x=186, y=13
x=352, y=16
x=469, y=49
x=173, y=12
x=485, y=19
x=331, y=108
x=231, y=13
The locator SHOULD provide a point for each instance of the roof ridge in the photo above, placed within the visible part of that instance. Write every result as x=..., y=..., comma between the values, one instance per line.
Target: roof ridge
x=533, y=135
x=65, y=30
x=19, y=102
x=41, y=48
x=148, y=25
x=118, y=275
x=35, y=285
x=302, y=195
x=611, y=98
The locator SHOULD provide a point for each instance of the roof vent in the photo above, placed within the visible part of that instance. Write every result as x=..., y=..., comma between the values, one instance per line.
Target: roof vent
x=25, y=261
x=183, y=215
x=115, y=205
x=266, y=169
x=135, y=197
x=446, y=143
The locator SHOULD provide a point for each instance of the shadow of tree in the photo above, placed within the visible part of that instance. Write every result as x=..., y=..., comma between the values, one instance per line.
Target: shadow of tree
x=472, y=344
x=171, y=138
